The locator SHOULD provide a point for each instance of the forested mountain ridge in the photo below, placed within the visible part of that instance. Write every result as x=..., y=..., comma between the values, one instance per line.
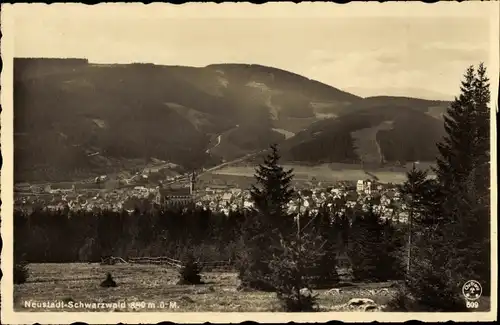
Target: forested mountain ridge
x=74, y=118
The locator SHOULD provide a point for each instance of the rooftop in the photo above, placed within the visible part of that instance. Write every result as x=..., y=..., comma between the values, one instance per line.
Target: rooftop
x=171, y=192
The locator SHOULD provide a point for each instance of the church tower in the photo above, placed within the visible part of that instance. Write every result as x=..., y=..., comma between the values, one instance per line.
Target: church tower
x=191, y=183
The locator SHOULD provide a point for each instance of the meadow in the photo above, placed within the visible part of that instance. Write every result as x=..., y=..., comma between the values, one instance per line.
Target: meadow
x=156, y=285
x=326, y=172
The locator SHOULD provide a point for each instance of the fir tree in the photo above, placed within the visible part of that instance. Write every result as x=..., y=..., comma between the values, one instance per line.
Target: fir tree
x=455, y=161
x=289, y=271
x=480, y=180
x=455, y=246
x=368, y=249
x=421, y=197
x=323, y=272
x=432, y=284
x=420, y=194
x=463, y=172
x=268, y=224
x=273, y=190
x=257, y=250
x=482, y=137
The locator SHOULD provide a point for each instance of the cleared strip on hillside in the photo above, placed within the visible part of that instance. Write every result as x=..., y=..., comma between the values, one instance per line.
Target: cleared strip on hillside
x=366, y=145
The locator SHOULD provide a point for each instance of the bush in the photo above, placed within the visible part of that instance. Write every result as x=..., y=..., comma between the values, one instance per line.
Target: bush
x=324, y=274
x=190, y=272
x=374, y=249
x=431, y=282
x=253, y=270
x=289, y=273
x=401, y=302
x=257, y=247
x=434, y=292
x=301, y=301
x=21, y=273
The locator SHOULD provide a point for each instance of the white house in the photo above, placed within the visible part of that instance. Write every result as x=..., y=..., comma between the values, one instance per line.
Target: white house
x=368, y=188
x=360, y=186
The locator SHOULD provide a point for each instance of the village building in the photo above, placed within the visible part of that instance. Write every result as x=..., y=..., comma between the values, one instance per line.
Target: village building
x=360, y=186
x=36, y=189
x=176, y=196
x=368, y=188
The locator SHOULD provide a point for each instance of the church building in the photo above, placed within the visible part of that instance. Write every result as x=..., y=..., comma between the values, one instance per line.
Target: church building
x=177, y=196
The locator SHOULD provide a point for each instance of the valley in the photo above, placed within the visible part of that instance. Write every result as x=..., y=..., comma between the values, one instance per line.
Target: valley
x=199, y=118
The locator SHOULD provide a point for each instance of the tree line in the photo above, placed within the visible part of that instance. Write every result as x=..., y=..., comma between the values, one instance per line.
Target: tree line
x=451, y=215
x=45, y=236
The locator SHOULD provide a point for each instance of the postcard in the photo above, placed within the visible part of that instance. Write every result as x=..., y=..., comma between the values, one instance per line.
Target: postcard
x=240, y=162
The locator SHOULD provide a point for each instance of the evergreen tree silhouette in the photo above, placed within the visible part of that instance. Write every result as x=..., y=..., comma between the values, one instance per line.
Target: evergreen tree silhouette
x=454, y=246
x=266, y=226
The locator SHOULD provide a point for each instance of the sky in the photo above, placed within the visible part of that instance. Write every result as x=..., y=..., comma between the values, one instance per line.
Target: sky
x=412, y=56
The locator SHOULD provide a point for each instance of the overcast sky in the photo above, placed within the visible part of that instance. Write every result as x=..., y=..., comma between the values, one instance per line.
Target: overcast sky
x=421, y=57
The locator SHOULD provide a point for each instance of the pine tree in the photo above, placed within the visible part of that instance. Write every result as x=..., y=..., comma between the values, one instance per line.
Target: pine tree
x=273, y=190
x=455, y=161
x=290, y=271
x=420, y=194
x=369, y=250
x=421, y=197
x=455, y=247
x=465, y=178
x=323, y=272
x=268, y=224
x=480, y=180
x=432, y=284
x=253, y=260
x=482, y=137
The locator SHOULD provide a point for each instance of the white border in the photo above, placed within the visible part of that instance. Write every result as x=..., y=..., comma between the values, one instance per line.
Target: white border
x=488, y=10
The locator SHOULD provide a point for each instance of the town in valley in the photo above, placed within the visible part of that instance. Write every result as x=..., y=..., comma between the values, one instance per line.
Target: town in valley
x=214, y=192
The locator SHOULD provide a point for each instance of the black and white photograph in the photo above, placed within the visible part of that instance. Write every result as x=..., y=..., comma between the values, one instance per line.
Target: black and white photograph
x=232, y=162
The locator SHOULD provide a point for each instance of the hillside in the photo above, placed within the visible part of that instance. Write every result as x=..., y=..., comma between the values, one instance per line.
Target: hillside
x=372, y=135
x=76, y=119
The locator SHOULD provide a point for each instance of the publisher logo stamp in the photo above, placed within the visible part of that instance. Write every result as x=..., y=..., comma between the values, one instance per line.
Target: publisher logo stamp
x=472, y=290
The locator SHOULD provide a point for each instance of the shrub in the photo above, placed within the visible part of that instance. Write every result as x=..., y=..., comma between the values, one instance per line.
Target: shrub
x=289, y=273
x=374, y=248
x=190, y=271
x=323, y=274
x=301, y=301
x=401, y=302
x=434, y=292
x=431, y=281
x=253, y=269
x=21, y=272
x=108, y=282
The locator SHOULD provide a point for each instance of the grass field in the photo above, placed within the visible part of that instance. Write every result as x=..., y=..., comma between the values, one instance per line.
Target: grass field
x=153, y=288
x=156, y=284
x=331, y=172
x=326, y=172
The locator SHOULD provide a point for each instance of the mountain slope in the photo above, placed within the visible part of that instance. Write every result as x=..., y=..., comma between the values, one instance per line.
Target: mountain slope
x=74, y=119
x=370, y=134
